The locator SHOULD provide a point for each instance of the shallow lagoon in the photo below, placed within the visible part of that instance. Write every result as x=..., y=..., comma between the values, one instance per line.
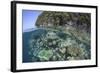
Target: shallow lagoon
x=55, y=44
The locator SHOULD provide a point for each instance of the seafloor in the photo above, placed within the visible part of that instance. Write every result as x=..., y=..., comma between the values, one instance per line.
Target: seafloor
x=56, y=44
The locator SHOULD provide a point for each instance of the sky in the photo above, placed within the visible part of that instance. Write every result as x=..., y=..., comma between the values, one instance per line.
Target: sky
x=29, y=18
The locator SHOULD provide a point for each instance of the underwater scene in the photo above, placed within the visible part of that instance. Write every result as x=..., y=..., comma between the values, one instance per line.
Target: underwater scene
x=55, y=36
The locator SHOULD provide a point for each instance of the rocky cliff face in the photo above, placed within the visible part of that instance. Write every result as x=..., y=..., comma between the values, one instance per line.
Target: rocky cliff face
x=77, y=20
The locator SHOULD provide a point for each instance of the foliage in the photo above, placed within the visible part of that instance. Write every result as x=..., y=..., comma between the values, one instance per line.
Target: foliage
x=53, y=18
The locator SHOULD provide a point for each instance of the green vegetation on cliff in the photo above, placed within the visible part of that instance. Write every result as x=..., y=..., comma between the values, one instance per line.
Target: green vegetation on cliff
x=77, y=20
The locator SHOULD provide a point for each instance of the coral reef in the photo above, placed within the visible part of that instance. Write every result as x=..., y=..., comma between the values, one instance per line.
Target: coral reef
x=55, y=45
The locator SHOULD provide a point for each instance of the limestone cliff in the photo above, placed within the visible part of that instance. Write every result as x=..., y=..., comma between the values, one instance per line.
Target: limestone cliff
x=77, y=20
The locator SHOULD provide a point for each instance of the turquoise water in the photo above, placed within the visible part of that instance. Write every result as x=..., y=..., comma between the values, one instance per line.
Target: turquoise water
x=50, y=44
